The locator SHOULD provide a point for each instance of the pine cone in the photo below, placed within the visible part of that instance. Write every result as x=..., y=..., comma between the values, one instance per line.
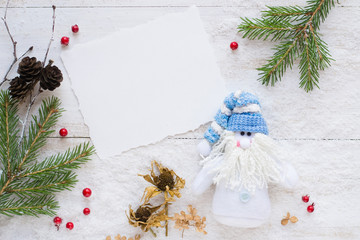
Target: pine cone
x=19, y=88
x=51, y=77
x=29, y=69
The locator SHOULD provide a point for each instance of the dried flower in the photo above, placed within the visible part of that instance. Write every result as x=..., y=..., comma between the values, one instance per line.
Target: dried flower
x=119, y=237
x=167, y=181
x=183, y=220
x=286, y=219
x=146, y=217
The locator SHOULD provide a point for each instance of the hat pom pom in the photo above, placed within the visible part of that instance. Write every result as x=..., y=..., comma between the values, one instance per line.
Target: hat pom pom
x=204, y=148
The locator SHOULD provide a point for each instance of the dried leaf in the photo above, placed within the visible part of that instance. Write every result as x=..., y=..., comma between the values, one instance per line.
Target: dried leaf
x=149, y=193
x=284, y=221
x=294, y=219
x=118, y=237
x=185, y=221
x=147, y=178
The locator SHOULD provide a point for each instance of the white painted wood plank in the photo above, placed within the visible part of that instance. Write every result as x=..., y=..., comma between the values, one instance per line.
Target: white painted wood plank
x=166, y=3
x=290, y=112
x=328, y=168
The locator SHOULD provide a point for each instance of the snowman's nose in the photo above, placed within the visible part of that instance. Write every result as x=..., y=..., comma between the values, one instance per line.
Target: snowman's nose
x=238, y=143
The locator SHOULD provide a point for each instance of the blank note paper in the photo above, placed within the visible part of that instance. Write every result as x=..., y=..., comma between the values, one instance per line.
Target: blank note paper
x=140, y=85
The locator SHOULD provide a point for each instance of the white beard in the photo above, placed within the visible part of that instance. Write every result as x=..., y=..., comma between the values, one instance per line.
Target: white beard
x=239, y=168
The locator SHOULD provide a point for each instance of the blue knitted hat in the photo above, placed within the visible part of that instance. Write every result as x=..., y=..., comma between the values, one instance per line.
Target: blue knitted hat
x=239, y=112
x=246, y=115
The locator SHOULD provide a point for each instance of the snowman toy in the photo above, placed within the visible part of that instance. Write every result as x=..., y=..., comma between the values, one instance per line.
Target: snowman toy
x=241, y=160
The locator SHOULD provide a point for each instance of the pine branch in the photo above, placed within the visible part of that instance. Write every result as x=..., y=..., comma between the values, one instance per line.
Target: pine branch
x=309, y=75
x=281, y=60
x=263, y=28
x=71, y=159
x=287, y=13
x=320, y=10
x=46, y=184
x=8, y=130
x=297, y=28
x=323, y=54
x=29, y=206
x=27, y=185
x=49, y=113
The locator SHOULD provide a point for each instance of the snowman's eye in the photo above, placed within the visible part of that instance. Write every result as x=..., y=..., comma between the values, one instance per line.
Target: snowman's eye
x=249, y=134
x=242, y=133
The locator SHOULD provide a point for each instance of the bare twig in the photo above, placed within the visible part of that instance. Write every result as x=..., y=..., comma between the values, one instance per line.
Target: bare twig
x=31, y=103
x=8, y=30
x=12, y=40
x=14, y=46
x=12, y=65
x=52, y=35
x=32, y=99
x=27, y=51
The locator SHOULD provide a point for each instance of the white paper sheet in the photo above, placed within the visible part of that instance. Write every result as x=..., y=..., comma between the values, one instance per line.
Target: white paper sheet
x=140, y=85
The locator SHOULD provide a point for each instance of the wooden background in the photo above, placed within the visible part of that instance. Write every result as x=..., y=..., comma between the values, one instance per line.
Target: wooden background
x=322, y=128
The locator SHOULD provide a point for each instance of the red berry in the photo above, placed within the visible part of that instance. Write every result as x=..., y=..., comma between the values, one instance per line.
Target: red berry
x=75, y=28
x=65, y=41
x=305, y=198
x=311, y=208
x=86, y=211
x=57, y=220
x=70, y=225
x=63, y=132
x=87, y=192
x=234, y=45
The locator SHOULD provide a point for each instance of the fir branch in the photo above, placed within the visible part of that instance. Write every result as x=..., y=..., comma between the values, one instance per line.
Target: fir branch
x=309, y=75
x=297, y=28
x=283, y=58
x=8, y=131
x=27, y=185
x=29, y=206
x=324, y=57
x=287, y=13
x=46, y=184
x=71, y=159
x=319, y=10
x=263, y=28
x=48, y=113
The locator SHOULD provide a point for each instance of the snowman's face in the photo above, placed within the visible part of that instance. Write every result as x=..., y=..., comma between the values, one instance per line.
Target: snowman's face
x=244, y=139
